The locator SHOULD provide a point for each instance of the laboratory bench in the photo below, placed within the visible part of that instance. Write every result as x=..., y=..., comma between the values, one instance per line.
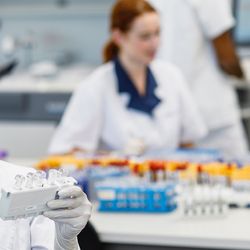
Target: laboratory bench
x=173, y=231
x=25, y=97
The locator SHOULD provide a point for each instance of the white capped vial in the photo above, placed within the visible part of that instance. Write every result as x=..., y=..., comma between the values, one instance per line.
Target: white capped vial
x=63, y=172
x=29, y=180
x=41, y=173
x=39, y=178
x=19, y=181
x=52, y=177
x=62, y=176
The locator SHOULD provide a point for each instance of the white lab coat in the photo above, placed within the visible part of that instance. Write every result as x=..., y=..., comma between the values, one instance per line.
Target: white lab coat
x=24, y=234
x=188, y=26
x=97, y=114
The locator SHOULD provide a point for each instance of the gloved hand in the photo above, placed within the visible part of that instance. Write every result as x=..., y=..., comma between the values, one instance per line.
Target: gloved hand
x=71, y=213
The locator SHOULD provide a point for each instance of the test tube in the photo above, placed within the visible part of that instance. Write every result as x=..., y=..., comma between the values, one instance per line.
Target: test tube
x=52, y=177
x=19, y=180
x=29, y=180
x=39, y=178
x=61, y=175
x=63, y=172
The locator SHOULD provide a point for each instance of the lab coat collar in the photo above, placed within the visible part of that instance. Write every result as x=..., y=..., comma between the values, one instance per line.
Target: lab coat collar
x=146, y=103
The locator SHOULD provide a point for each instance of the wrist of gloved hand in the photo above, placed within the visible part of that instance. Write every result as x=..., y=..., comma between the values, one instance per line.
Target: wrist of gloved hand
x=64, y=244
x=70, y=213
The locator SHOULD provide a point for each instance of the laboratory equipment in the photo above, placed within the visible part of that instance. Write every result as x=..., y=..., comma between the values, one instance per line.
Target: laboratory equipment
x=203, y=184
x=205, y=200
x=30, y=194
x=134, y=195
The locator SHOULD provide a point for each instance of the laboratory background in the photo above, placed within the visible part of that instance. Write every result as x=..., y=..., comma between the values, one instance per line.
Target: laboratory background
x=191, y=198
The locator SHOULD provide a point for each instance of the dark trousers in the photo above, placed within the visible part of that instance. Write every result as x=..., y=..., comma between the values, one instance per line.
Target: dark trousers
x=88, y=238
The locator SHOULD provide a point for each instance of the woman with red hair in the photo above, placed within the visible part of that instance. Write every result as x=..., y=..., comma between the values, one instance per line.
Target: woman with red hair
x=131, y=103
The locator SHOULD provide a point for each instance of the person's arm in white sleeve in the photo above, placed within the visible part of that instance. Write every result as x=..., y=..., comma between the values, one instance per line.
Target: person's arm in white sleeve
x=42, y=232
x=81, y=123
x=215, y=17
x=216, y=20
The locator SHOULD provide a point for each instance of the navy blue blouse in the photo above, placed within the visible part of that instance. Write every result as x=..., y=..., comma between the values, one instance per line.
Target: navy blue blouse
x=146, y=103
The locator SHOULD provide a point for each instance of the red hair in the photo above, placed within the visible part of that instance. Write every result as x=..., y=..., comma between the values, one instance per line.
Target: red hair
x=124, y=12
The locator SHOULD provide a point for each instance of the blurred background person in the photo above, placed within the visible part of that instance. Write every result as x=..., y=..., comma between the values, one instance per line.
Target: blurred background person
x=132, y=103
x=196, y=36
